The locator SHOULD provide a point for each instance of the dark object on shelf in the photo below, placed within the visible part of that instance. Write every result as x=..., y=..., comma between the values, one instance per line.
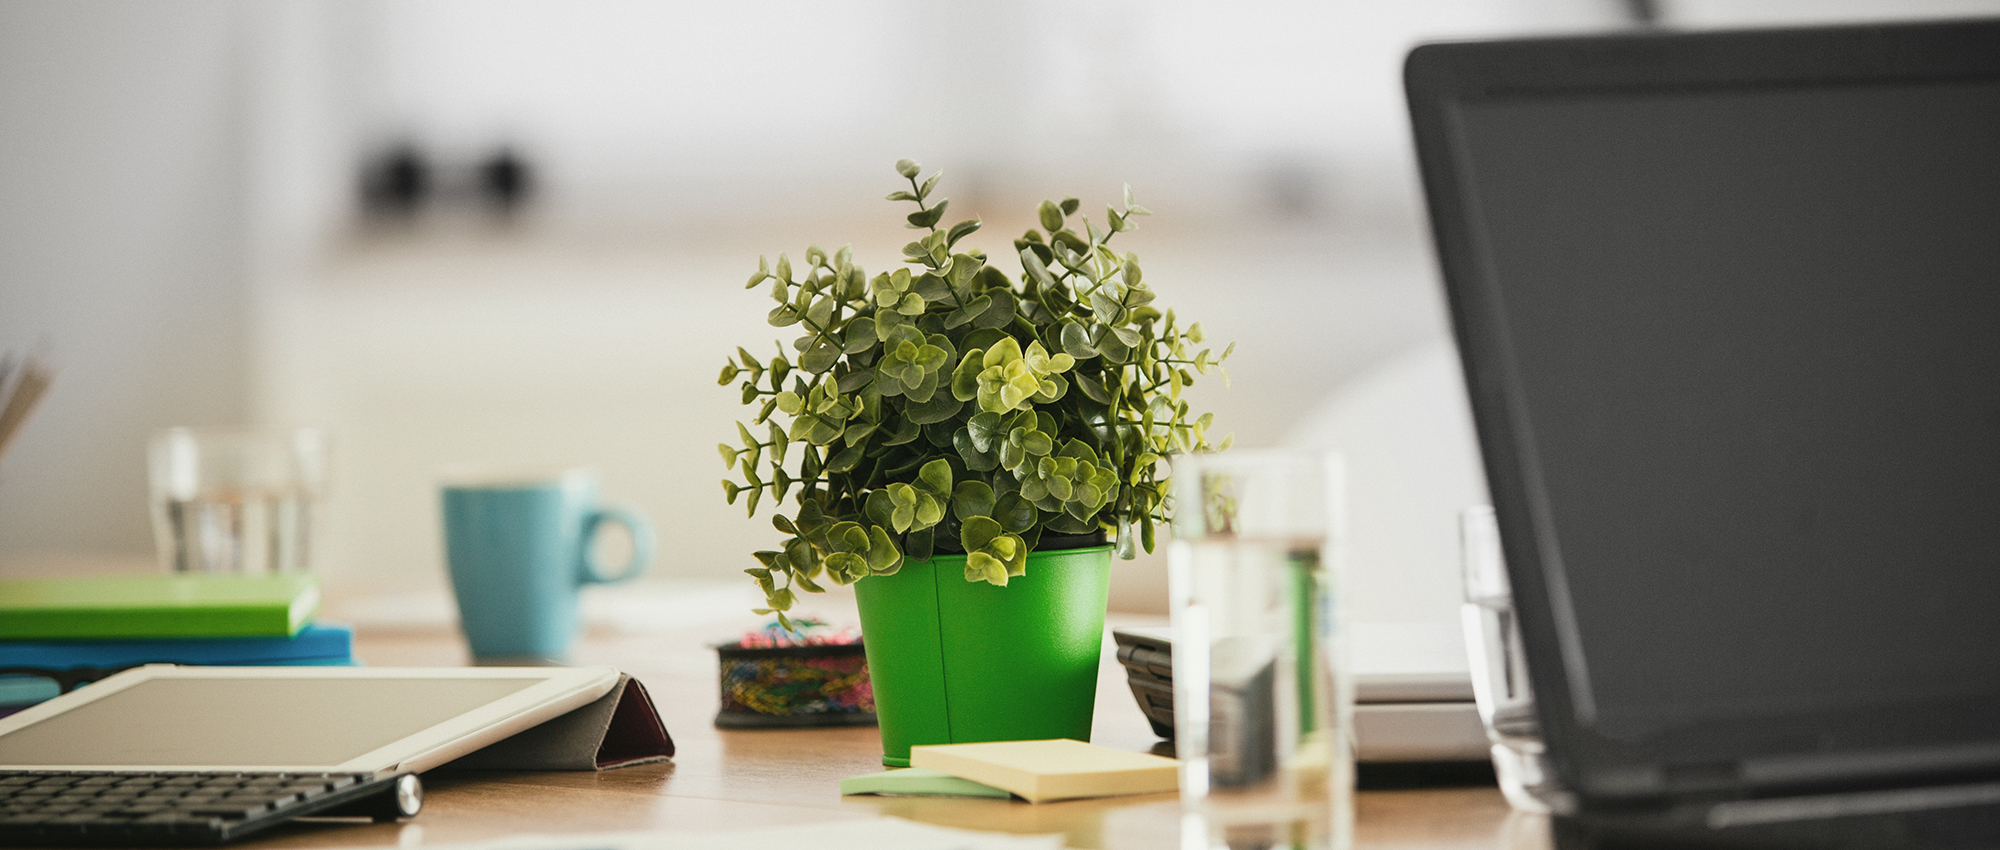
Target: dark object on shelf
x=1149, y=669
x=397, y=183
x=44, y=808
x=792, y=686
x=505, y=180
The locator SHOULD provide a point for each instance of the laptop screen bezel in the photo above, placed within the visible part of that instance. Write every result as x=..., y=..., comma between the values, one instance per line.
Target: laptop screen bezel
x=1441, y=81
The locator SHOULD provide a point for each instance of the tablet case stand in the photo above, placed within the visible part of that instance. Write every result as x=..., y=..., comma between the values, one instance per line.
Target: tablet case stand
x=620, y=729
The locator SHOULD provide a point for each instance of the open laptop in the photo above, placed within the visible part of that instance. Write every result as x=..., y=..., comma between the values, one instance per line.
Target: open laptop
x=1728, y=306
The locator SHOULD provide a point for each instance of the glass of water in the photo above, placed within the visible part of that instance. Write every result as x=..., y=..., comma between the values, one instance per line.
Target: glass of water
x=1262, y=702
x=1500, y=685
x=235, y=501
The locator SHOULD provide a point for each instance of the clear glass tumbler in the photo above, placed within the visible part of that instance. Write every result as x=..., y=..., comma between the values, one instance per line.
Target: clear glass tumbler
x=235, y=501
x=1500, y=685
x=1262, y=701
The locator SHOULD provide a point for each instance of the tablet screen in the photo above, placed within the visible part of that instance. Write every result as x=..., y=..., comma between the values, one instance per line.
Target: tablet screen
x=175, y=722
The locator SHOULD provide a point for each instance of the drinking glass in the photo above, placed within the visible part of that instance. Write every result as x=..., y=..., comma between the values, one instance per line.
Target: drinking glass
x=1500, y=687
x=1262, y=701
x=235, y=501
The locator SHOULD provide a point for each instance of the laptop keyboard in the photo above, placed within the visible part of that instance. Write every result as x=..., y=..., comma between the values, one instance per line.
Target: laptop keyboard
x=174, y=808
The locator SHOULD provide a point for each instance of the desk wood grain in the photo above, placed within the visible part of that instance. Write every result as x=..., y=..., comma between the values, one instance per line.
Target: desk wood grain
x=736, y=779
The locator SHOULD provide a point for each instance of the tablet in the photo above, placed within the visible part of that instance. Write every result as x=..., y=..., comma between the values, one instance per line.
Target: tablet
x=290, y=719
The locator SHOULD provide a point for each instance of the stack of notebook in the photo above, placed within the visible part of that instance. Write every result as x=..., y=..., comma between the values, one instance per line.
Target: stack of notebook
x=59, y=633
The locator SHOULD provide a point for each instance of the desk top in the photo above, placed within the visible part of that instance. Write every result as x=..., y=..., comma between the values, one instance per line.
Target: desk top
x=740, y=779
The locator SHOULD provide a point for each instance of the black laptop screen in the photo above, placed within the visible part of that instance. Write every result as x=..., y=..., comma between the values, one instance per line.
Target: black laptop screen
x=1754, y=335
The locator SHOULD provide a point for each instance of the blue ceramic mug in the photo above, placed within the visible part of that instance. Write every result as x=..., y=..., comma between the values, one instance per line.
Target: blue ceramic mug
x=519, y=548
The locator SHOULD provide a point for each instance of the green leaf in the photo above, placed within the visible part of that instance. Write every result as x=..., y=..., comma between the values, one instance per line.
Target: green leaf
x=1032, y=263
x=904, y=430
x=1051, y=216
x=883, y=556
x=1033, y=442
x=728, y=455
x=999, y=313
x=970, y=310
x=1014, y=513
x=935, y=478
x=918, y=545
x=903, y=507
x=931, y=287
x=858, y=335
x=846, y=567
x=975, y=459
x=879, y=507
x=1076, y=340
x=975, y=533
x=1114, y=349
x=845, y=460
x=1093, y=389
x=1013, y=551
x=819, y=358
x=908, y=168
x=970, y=499
x=987, y=430
x=965, y=379
x=930, y=510
x=924, y=191
x=820, y=312
x=941, y=407
x=1070, y=205
x=730, y=489
x=927, y=218
x=961, y=230
x=980, y=566
x=903, y=195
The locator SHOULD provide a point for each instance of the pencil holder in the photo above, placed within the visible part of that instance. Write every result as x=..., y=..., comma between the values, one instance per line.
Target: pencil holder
x=793, y=686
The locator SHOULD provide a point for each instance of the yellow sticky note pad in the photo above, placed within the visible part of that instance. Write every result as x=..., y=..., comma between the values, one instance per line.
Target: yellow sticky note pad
x=1051, y=770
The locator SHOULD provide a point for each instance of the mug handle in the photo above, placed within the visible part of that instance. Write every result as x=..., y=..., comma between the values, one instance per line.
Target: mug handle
x=642, y=543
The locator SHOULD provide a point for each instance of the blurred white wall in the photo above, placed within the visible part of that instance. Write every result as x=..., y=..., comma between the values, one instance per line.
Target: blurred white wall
x=178, y=217
x=678, y=142
x=121, y=248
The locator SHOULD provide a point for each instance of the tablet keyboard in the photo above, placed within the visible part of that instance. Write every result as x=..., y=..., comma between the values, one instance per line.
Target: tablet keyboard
x=41, y=808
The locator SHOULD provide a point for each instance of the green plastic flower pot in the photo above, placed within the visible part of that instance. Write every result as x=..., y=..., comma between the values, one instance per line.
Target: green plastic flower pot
x=954, y=661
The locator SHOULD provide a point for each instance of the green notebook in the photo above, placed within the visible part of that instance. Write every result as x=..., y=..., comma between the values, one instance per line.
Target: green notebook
x=149, y=606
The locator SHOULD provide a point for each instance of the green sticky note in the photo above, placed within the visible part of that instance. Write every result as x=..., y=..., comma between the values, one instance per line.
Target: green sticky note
x=157, y=605
x=918, y=782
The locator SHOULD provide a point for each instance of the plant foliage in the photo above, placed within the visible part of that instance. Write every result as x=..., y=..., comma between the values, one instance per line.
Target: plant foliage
x=945, y=406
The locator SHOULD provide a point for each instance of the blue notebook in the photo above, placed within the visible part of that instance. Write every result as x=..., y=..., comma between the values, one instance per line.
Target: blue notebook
x=319, y=643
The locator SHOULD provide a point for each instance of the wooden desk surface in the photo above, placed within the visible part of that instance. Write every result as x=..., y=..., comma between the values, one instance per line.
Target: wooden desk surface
x=739, y=779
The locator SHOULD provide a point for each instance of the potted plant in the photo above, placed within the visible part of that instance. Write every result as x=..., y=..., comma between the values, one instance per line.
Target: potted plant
x=959, y=444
